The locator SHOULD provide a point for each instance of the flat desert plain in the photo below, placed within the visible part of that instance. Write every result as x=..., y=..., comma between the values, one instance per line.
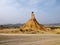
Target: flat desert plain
x=29, y=39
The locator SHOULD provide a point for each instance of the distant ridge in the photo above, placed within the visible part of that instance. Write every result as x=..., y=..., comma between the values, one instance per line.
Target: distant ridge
x=53, y=24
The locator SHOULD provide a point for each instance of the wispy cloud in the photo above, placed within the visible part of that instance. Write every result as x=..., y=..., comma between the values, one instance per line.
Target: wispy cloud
x=18, y=11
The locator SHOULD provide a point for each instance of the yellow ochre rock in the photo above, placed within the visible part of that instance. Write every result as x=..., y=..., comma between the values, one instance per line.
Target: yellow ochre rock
x=32, y=24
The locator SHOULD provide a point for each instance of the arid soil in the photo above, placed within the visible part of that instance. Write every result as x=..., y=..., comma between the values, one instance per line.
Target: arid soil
x=29, y=39
x=17, y=31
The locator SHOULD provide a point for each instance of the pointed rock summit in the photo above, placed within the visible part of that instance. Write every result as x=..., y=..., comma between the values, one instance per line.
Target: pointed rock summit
x=33, y=16
x=32, y=24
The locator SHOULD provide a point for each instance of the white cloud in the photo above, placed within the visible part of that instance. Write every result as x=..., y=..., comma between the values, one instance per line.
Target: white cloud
x=15, y=11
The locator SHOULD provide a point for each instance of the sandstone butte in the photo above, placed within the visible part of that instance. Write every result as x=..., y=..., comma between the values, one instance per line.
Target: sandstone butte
x=32, y=24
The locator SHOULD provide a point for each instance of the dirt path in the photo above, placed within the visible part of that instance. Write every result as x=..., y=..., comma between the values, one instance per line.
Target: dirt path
x=31, y=40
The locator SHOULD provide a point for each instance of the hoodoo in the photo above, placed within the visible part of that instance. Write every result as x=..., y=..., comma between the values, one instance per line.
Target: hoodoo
x=32, y=24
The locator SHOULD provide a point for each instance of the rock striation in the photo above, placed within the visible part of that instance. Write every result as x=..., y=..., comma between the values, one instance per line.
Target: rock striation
x=32, y=24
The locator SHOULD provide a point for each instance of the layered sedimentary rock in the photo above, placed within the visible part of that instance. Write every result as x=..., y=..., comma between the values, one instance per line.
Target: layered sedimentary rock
x=32, y=24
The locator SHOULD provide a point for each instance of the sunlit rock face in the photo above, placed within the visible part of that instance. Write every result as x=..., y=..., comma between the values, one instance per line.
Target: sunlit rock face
x=32, y=24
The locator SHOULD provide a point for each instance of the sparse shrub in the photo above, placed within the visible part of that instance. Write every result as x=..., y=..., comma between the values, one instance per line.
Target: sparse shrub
x=12, y=31
x=38, y=31
x=1, y=27
x=33, y=32
x=27, y=30
x=58, y=33
x=21, y=30
x=15, y=31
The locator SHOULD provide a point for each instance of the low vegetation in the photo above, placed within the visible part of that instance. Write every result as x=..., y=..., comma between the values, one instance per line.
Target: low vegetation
x=52, y=30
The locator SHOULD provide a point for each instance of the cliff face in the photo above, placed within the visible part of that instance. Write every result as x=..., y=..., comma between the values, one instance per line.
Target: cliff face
x=32, y=24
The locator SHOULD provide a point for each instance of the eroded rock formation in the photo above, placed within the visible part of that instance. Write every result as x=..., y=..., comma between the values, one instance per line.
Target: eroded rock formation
x=32, y=24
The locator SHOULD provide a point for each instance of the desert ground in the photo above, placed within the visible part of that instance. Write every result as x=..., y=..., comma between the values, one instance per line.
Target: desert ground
x=28, y=39
x=17, y=31
x=7, y=29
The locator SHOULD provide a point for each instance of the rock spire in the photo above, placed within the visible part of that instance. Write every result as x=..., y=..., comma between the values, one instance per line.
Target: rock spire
x=32, y=24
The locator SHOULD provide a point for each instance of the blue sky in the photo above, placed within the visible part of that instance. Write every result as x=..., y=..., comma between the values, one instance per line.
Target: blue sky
x=19, y=11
